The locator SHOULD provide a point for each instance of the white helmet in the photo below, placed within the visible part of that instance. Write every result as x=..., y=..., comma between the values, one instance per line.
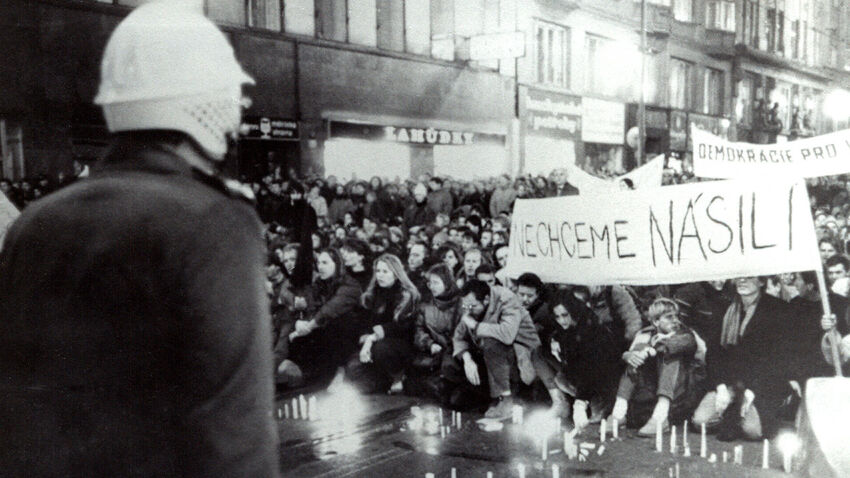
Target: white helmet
x=166, y=66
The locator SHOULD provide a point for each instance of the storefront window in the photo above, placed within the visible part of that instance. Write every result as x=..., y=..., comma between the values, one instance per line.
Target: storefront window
x=363, y=22
x=264, y=14
x=348, y=158
x=332, y=19
x=680, y=84
x=712, y=103
x=417, y=21
x=469, y=162
x=391, y=25
x=299, y=17
x=552, y=45
x=683, y=10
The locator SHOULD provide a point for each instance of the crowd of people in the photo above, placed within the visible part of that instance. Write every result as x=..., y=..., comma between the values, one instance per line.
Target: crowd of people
x=402, y=288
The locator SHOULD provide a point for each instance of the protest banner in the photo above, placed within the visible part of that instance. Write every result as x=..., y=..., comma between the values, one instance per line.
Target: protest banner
x=702, y=231
x=8, y=214
x=718, y=158
x=647, y=176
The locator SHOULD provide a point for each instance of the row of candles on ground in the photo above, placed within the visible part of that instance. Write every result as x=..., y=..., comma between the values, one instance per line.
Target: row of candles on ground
x=433, y=421
x=556, y=472
x=302, y=408
x=738, y=451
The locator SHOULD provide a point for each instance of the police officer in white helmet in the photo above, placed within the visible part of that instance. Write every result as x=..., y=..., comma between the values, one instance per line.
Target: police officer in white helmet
x=135, y=337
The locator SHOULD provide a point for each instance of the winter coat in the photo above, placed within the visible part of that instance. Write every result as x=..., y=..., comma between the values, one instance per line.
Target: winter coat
x=393, y=309
x=762, y=360
x=501, y=201
x=508, y=322
x=418, y=215
x=566, y=190
x=588, y=355
x=336, y=211
x=338, y=304
x=136, y=337
x=436, y=323
x=615, y=308
x=441, y=201
x=320, y=206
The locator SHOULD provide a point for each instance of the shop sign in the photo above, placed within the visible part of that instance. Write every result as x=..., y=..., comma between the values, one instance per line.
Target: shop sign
x=678, y=131
x=603, y=121
x=412, y=135
x=552, y=114
x=272, y=129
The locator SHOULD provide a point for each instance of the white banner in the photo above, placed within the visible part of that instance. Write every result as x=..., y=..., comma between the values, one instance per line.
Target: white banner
x=693, y=232
x=8, y=214
x=647, y=176
x=824, y=155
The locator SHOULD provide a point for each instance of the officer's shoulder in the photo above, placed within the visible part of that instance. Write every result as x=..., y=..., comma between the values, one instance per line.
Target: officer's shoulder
x=229, y=187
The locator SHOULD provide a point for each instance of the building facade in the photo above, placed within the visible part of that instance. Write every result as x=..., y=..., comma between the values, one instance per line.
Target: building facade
x=358, y=88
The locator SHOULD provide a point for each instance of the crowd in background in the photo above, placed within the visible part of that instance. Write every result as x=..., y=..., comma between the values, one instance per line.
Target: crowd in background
x=401, y=287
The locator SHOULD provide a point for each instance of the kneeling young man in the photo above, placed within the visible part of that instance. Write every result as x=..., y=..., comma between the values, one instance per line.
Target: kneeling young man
x=492, y=348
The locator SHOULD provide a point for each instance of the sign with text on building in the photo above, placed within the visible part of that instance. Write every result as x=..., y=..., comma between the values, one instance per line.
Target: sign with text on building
x=822, y=155
x=694, y=232
x=603, y=121
x=271, y=129
x=546, y=113
x=497, y=46
x=413, y=135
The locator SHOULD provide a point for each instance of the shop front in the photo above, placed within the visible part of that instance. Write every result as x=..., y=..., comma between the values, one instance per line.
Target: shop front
x=551, y=128
x=357, y=150
x=603, y=132
x=657, y=133
x=267, y=146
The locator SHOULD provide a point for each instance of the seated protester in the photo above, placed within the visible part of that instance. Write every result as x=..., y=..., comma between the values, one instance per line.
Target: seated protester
x=322, y=341
x=492, y=345
x=391, y=302
x=416, y=257
x=355, y=255
x=293, y=300
x=450, y=254
x=487, y=274
x=807, y=329
x=749, y=376
x=435, y=324
x=471, y=260
x=532, y=295
x=702, y=306
x=664, y=374
x=615, y=308
x=578, y=359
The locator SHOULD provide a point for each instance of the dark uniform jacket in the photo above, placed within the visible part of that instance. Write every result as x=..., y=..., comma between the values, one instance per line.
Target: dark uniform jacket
x=135, y=332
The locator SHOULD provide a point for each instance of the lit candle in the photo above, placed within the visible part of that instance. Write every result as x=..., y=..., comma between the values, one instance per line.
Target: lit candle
x=786, y=461
x=659, y=436
x=459, y=422
x=615, y=432
x=601, y=450
x=685, y=434
x=295, y=408
x=302, y=407
x=521, y=470
x=442, y=432
x=673, y=439
x=556, y=472
x=454, y=472
x=739, y=455
x=725, y=456
x=703, y=448
x=313, y=409
x=677, y=470
x=603, y=430
x=279, y=413
x=489, y=474
x=765, y=455
x=712, y=458
x=429, y=475
x=516, y=415
x=687, y=451
x=441, y=417
x=544, y=445
x=286, y=411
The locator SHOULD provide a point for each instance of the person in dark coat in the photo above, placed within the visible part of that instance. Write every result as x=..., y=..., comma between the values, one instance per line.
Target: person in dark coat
x=436, y=321
x=418, y=213
x=560, y=186
x=440, y=200
x=322, y=341
x=135, y=336
x=749, y=376
x=577, y=359
x=391, y=302
x=532, y=294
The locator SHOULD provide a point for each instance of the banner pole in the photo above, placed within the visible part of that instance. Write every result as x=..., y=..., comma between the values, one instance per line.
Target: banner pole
x=835, y=337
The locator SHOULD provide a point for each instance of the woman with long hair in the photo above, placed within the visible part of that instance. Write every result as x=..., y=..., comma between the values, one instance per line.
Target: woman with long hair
x=391, y=302
x=322, y=341
x=435, y=325
x=450, y=255
x=578, y=358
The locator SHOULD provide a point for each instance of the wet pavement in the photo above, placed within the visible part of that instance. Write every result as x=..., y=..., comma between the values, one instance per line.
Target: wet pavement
x=379, y=436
